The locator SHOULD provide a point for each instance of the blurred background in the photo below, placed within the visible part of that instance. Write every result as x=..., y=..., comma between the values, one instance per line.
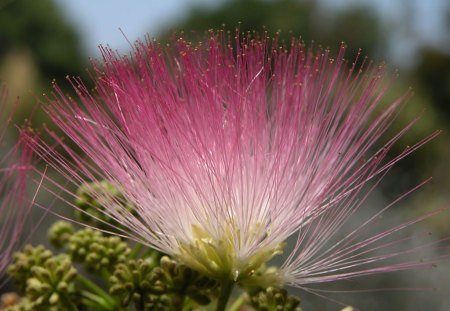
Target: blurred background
x=45, y=40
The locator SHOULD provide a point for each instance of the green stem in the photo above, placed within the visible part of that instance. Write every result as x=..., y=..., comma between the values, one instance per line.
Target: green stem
x=68, y=303
x=141, y=303
x=187, y=305
x=94, y=302
x=237, y=304
x=225, y=291
x=89, y=285
x=104, y=273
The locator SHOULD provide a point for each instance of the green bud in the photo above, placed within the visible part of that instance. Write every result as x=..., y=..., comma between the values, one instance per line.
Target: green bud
x=106, y=252
x=60, y=233
x=151, y=287
x=80, y=242
x=23, y=262
x=130, y=283
x=50, y=282
x=54, y=299
x=92, y=200
x=274, y=299
x=172, y=277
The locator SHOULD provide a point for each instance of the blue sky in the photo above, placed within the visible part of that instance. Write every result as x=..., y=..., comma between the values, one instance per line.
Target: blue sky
x=99, y=21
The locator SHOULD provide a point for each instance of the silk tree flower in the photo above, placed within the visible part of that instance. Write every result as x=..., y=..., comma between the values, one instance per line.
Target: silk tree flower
x=15, y=207
x=226, y=149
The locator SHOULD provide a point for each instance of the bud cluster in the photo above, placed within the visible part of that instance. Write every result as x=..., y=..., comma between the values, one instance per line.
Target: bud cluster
x=60, y=233
x=24, y=261
x=91, y=199
x=135, y=278
x=274, y=299
x=106, y=252
x=48, y=281
x=148, y=285
x=52, y=285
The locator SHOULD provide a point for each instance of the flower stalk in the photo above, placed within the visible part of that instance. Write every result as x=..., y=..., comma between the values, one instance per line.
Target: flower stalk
x=97, y=295
x=226, y=287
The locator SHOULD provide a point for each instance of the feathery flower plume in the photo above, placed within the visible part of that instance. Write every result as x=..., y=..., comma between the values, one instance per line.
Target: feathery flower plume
x=226, y=149
x=15, y=165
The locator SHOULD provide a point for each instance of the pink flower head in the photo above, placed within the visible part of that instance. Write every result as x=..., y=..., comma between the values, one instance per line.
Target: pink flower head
x=226, y=149
x=15, y=164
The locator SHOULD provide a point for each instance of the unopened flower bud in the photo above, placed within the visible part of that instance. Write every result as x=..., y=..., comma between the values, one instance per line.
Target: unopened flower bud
x=52, y=281
x=60, y=233
x=274, y=299
x=80, y=242
x=106, y=252
x=172, y=277
x=26, y=260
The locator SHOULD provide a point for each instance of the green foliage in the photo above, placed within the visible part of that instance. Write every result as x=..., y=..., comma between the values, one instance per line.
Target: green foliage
x=37, y=45
x=434, y=73
x=39, y=26
x=252, y=15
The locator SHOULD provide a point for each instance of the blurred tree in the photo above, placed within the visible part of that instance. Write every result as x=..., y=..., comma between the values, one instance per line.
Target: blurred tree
x=39, y=29
x=433, y=72
x=37, y=45
x=252, y=15
x=357, y=26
